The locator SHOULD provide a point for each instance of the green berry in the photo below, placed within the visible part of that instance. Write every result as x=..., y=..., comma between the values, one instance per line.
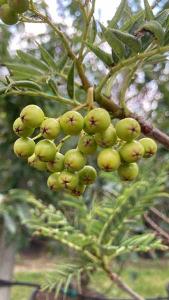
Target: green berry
x=74, y=160
x=128, y=171
x=150, y=147
x=132, y=151
x=106, y=138
x=45, y=150
x=87, y=175
x=87, y=144
x=128, y=129
x=68, y=180
x=19, y=6
x=8, y=15
x=97, y=120
x=32, y=116
x=53, y=182
x=20, y=129
x=34, y=162
x=72, y=122
x=50, y=128
x=108, y=160
x=24, y=147
x=57, y=164
x=78, y=190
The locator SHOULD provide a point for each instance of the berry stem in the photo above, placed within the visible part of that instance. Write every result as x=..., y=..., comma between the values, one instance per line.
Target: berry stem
x=38, y=136
x=90, y=98
x=62, y=142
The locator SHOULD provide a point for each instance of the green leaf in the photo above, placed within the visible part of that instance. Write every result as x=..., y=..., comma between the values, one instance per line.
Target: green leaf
x=52, y=85
x=102, y=55
x=117, y=46
x=9, y=223
x=62, y=62
x=31, y=71
x=128, y=39
x=119, y=12
x=130, y=22
x=162, y=17
x=70, y=82
x=148, y=11
x=93, y=31
x=48, y=59
x=156, y=29
x=30, y=59
x=26, y=84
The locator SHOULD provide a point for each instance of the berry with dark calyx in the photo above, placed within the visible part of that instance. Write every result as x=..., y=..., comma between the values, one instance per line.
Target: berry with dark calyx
x=72, y=122
x=87, y=144
x=32, y=116
x=45, y=150
x=19, y=6
x=20, y=129
x=53, y=182
x=57, y=164
x=97, y=120
x=150, y=147
x=68, y=180
x=128, y=129
x=34, y=162
x=24, y=147
x=8, y=15
x=132, y=151
x=50, y=128
x=106, y=138
x=87, y=175
x=128, y=171
x=78, y=190
x=108, y=160
x=74, y=160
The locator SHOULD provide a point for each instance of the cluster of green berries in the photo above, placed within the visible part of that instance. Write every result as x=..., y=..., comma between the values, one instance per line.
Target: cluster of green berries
x=117, y=147
x=10, y=9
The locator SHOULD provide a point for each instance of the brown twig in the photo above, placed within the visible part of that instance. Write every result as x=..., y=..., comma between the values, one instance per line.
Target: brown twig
x=157, y=228
x=159, y=214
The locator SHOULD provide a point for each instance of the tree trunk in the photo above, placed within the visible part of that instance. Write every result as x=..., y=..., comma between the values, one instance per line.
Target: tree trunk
x=7, y=260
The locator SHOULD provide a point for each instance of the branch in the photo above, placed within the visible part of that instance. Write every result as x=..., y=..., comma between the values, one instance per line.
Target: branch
x=159, y=214
x=157, y=228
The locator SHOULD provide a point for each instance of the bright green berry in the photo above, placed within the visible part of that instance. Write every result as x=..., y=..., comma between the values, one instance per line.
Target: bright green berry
x=132, y=151
x=32, y=116
x=57, y=164
x=87, y=175
x=106, y=138
x=87, y=144
x=53, y=182
x=97, y=120
x=128, y=171
x=150, y=147
x=68, y=180
x=19, y=6
x=24, y=147
x=72, y=122
x=45, y=150
x=8, y=15
x=78, y=190
x=74, y=160
x=34, y=162
x=20, y=129
x=128, y=129
x=50, y=128
x=108, y=160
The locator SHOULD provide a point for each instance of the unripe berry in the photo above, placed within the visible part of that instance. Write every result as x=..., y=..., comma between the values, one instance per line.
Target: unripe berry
x=19, y=6
x=20, y=129
x=131, y=152
x=8, y=15
x=24, y=147
x=72, y=122
x=128, y=129
x=150, y=147
x=32, y=116
x=45, y=150
x=53, y=182
x=128, y=171
x=68, y=180
x=87, y=175
x=97, y=120
x=78, y=190
x=87, y=144
x=34, y=162
x=108, y=160
x=74, y=160
x=50, y=128
x=57, y=164
x=106, y=138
